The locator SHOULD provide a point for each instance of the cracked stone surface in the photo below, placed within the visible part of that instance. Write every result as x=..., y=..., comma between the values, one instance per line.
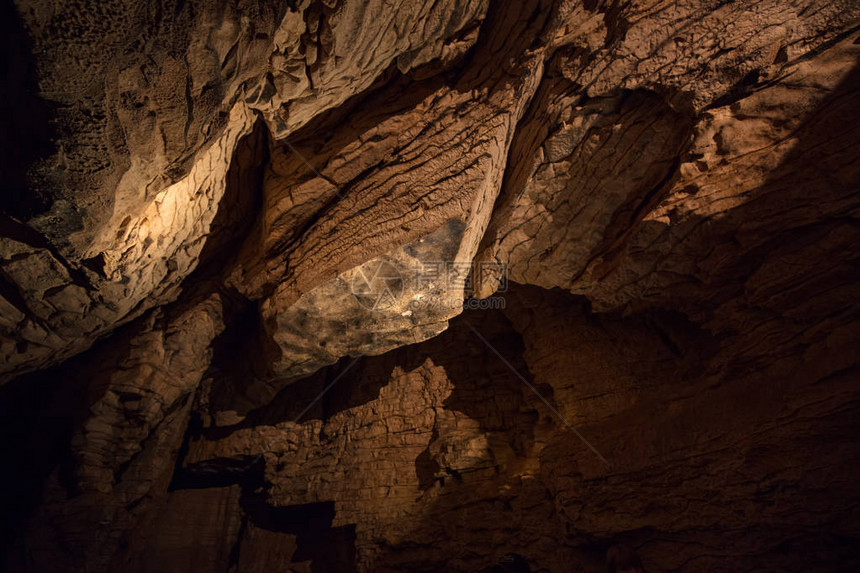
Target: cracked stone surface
x=237, y=241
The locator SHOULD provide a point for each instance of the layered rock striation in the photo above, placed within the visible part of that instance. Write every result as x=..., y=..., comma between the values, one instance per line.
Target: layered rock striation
x=236, y=241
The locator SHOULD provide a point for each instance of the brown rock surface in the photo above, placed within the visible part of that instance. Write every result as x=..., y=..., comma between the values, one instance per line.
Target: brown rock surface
x=236, y=241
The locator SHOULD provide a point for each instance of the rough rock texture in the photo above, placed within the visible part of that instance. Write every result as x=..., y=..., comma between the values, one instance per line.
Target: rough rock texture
x=236, y=240
x=152, y=125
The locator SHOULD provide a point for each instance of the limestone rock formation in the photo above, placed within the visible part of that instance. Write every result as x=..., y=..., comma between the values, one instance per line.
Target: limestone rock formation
x=351, y=285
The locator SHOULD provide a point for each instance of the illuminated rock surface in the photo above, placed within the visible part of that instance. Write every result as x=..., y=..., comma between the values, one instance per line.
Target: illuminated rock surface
x=213, y=214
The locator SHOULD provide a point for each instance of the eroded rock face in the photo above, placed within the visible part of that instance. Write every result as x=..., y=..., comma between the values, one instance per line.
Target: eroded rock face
x=237, y=239
x=152, y=126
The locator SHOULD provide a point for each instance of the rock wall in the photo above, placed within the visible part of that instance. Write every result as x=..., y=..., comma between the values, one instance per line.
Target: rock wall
x=236, y=241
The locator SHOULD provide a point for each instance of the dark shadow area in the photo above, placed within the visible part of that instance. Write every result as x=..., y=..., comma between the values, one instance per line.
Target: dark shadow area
x=810, y=200
x=661, y=171
x=509, y=30
x=237, y=352
x=38, y=413
x=481, y=381
x=245, y=471
x=426, y=468
x=26, y=130
x=329, y=549
x=35, y=430
x=240, y=206
x=510, y=563
x=356, y=384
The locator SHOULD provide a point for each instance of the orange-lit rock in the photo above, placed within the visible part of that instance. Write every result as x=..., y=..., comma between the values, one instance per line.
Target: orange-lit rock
x=235, y=244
